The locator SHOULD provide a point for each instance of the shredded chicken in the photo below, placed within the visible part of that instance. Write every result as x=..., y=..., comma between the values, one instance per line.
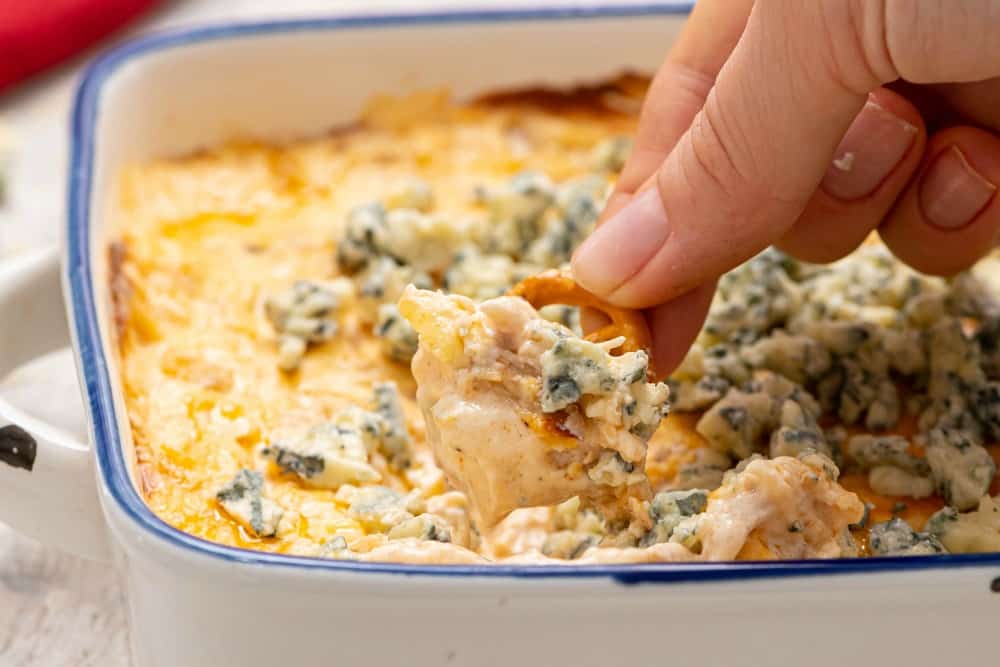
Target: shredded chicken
x=521, y=412
x=783, y=507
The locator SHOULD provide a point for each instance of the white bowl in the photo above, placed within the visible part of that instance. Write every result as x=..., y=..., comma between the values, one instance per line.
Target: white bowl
x=194, y=603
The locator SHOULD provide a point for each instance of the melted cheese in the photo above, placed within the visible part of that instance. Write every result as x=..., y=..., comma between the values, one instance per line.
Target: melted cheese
x=206, y=238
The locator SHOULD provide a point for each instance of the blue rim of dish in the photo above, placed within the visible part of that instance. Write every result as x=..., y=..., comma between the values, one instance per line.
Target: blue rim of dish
x=95, y=373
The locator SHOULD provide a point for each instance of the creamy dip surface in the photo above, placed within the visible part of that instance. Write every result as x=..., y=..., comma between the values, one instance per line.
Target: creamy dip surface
x=265, y=354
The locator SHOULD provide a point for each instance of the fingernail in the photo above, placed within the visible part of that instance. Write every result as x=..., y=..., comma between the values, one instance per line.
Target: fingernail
x=874, y=144
x=952, y=192
x=619, y=248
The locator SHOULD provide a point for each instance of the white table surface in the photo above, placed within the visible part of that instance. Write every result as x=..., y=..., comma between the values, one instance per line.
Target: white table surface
x=56, y=609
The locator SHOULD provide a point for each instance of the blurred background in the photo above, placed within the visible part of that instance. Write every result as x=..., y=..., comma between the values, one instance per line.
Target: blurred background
x=56, y=609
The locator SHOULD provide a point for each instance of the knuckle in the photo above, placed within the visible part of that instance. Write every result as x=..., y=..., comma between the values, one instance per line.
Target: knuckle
x=936, y=41
x=908, y=45
x=852, y=36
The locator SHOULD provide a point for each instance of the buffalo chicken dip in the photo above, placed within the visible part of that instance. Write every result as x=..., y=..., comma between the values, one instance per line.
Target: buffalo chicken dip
x=321, y=357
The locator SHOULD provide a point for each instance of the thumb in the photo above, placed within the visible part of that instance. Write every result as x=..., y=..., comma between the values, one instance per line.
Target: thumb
x=749, y=163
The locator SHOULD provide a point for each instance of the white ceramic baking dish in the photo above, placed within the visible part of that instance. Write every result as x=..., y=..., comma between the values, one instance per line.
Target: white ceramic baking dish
x=195, y=603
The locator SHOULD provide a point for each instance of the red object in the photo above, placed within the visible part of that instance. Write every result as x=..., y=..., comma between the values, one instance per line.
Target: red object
x=36, y=34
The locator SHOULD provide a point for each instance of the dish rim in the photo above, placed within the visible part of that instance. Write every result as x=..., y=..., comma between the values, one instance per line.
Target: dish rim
x=95, y=374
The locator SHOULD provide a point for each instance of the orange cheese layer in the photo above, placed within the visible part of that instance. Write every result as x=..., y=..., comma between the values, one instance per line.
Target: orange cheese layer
x=206, y=237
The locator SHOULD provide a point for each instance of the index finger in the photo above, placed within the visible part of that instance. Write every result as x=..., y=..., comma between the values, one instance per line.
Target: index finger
x=675, y=96
x=678, y=91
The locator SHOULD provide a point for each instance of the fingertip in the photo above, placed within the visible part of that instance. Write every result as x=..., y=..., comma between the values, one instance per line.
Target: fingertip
x=608, y=261
x=949, y=217
x=875, y=146
x=899, y=106
x=676, y=324
x=952, y=192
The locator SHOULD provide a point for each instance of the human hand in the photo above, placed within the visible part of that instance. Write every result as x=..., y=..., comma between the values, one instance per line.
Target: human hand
x=805, y=125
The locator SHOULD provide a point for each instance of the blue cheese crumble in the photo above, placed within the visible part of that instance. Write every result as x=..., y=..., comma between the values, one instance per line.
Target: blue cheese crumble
x=531, y=224
x=977, y=531
x=769, y=410
x=869, y=451
x=669, y=508
x=897, y=538
x=328, y=456
x=396, y=515
x=572, y=218
x=364, y=237
x=424, y=241
x=848, y=335
x=690, y=396
x=422, y=527
x=482, y=276
x=383, y=281
x=398, y=337
x=305, y=313
x=339, y=452
x=574, y=368
x=515, y=210
x=610, y=154
x=394, y=439
x=378, y=507
x=244, y=500
x=892, y=469
x=574, y=530
x=961, y=468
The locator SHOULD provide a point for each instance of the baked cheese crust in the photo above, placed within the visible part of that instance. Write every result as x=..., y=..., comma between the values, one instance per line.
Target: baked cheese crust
x=266, y=368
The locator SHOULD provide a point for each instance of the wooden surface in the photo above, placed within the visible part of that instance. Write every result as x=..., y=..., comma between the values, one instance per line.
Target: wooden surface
x=56, y=609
